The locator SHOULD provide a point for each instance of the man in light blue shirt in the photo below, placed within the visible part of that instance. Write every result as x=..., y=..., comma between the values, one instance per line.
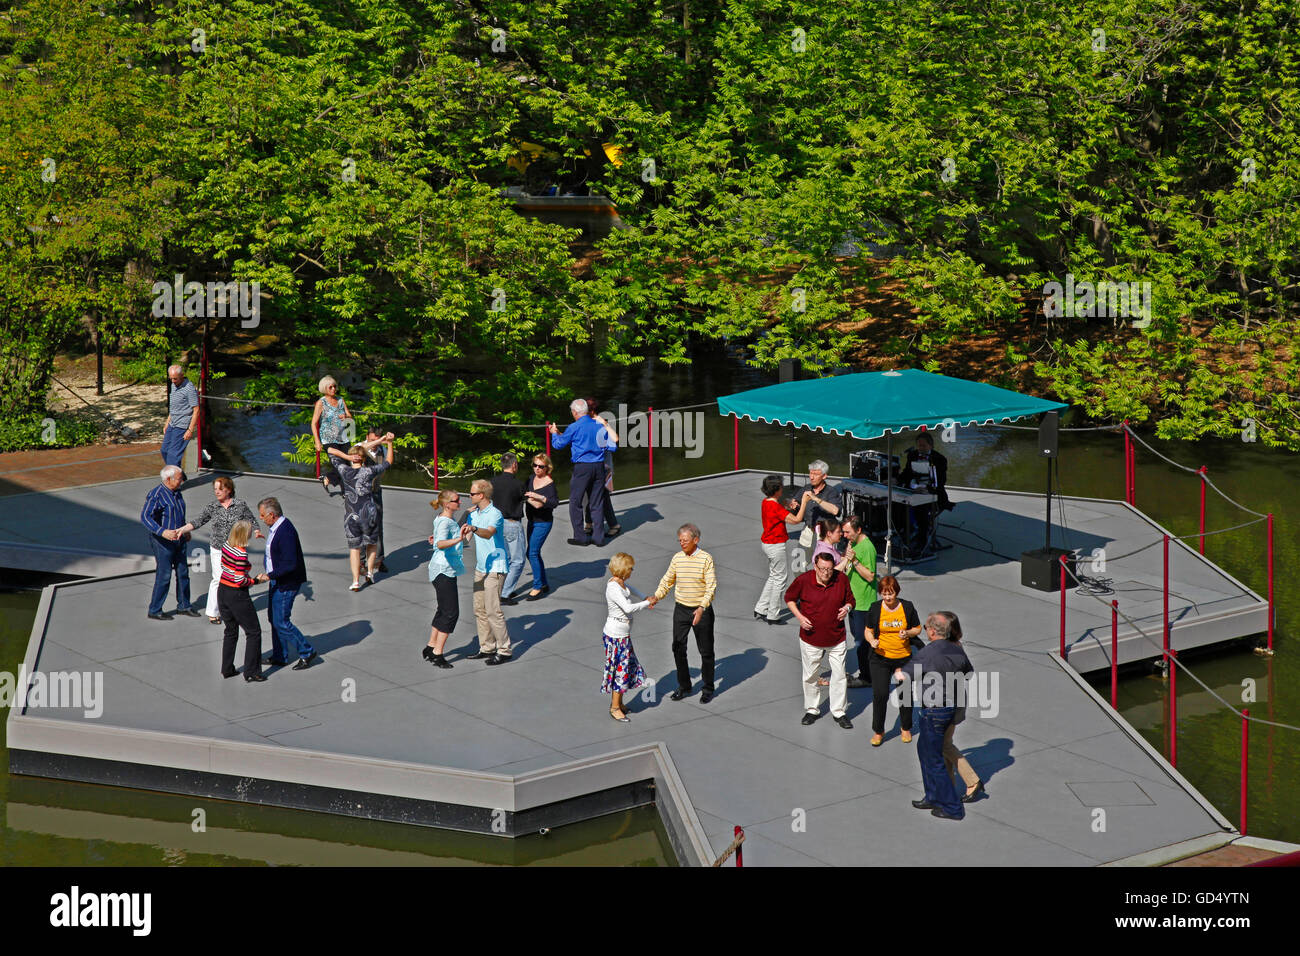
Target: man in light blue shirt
x=491, y=561
x=587, y=439
x=182, y=417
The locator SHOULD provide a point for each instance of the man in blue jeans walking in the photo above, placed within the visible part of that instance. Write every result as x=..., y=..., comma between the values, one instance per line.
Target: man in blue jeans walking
x=163, y=516
x=287, y=572
x=587, y=438
x=182, y=417
x=937, y=675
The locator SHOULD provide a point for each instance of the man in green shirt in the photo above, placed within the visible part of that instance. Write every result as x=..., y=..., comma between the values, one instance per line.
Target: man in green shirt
x=862, y=581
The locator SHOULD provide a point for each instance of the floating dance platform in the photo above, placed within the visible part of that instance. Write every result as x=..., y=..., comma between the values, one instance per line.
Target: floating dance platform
x=373, y=731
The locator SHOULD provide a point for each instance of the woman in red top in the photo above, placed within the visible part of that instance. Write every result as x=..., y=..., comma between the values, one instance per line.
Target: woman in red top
x=776, y=514
x=237, y=607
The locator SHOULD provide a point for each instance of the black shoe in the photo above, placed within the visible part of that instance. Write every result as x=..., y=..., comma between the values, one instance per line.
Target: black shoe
x=160, y=617
x=305, y=662
x=843, y=721
x=679, y=694
x=759, y=617
x=497, y=659
x=480, y=655
x=923, y=804
x=941, y=814
x=382, y=567
x=809, y=719
x=255, y=678
x=274, y=662
x=428, y=653
x=228, y=675
x=577, y=542
x=857, y=682
x=974, y=794
x=541, y=593
x=188, y=612
x=779, y=620
x=439, y=661
x=613, y=530
x=509, y=601
x=706, y=696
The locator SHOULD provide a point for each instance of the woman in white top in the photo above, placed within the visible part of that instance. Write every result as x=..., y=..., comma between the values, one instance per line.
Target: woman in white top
x=623, y=672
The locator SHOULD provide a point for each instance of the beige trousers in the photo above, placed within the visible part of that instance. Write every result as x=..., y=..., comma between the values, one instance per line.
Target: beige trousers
x=491, y=620
x=952, y=759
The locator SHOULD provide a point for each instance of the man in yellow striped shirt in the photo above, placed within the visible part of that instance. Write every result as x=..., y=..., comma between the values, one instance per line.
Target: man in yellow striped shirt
x=692, y=573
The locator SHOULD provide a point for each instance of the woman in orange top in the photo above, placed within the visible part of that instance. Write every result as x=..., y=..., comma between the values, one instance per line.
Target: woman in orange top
x=891, y=624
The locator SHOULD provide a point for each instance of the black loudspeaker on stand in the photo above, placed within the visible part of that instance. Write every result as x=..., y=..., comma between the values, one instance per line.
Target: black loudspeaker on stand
x=1040, y=569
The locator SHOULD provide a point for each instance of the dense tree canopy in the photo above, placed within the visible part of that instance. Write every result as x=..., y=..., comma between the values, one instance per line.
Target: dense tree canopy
x=350, y=157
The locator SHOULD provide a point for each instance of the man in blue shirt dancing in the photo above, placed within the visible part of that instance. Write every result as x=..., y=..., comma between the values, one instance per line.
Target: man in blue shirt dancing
x=587, y=439
x=163, y=516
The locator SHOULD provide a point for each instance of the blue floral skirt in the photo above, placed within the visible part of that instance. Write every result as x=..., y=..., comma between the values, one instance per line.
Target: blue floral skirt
x=623, y=672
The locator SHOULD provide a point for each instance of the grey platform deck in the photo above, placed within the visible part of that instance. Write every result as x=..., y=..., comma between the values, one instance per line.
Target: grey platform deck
x=535, y=734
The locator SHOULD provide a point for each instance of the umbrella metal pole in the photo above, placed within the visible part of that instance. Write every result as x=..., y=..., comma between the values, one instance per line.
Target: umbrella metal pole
x=889, y=504
x=791, y=456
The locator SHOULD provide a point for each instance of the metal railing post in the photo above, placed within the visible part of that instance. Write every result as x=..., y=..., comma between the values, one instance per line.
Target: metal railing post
x=1114, y=654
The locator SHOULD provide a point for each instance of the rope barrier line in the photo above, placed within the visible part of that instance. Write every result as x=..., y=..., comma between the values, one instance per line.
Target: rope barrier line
x=1176, y=663
x=1206, y=534
x=441, y=418
x=1193, y=471
x=735, y=845
x=1034, y=428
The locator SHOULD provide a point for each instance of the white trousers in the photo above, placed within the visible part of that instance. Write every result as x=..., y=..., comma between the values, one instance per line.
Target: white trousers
x=214, y=559
x=812, y=665
x=770, y=603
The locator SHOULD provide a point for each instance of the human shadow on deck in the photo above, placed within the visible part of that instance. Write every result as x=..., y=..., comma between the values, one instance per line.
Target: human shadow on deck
x=527, y=630
x=345, y=635
x=983, y=536
x=728, y=672
x=636, y=516
x=988, y=758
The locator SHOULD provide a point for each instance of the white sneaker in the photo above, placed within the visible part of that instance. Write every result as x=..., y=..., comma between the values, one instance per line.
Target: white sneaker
x=356, y=586
x=370, y=578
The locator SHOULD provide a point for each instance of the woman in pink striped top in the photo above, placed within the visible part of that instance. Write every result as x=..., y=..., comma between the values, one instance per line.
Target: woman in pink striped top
x=237, y=607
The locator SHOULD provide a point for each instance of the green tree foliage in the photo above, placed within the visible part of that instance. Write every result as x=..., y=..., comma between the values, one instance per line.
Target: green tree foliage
x=351, y=159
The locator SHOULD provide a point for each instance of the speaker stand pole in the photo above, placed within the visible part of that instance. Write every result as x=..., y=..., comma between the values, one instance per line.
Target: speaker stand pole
x=1047, y=548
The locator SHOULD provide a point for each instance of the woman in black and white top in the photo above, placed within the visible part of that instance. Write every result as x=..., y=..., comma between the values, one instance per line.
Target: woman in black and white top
x=224, y=510
x=623, y=672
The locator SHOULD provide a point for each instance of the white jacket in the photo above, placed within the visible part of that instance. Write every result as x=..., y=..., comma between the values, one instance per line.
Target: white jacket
x=619, y=623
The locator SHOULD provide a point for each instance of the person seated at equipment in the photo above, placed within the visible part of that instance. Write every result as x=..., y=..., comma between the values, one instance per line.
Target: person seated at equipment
x=924, y=469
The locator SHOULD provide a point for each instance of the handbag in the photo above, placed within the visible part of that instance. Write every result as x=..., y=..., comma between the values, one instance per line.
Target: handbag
x=806, y=538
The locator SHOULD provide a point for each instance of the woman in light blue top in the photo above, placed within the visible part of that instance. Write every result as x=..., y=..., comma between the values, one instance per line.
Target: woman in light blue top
x=445, y=566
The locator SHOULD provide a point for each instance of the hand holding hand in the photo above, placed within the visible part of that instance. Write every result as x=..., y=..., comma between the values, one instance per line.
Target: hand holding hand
x=389, y=436
x=554, y=430
x=262, y=578
x=258, y=534
x=356, y=460
x=652, y=600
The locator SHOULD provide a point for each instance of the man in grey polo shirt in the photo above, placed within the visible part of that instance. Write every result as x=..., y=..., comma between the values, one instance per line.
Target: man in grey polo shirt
x=183, y=417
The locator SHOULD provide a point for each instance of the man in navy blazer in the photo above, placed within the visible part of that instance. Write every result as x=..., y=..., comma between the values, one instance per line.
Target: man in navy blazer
x=287, y=572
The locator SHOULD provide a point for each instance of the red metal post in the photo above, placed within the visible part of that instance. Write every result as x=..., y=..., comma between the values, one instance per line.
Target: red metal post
x=650, y=419
x=547, y=432
x=1166, y=600
x=434, y=417
x=740, y=850
x=1270, y=581
x=1128, y=464
x=318, y=465
x=1114, y=655
x=1245, y=749
x=1201, y=538
x=203, y=390
x=735, y=442
x=1062, y=606
x=1173, y=708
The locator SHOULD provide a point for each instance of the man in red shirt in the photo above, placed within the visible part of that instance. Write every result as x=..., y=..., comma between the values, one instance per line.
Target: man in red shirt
x=821, y=599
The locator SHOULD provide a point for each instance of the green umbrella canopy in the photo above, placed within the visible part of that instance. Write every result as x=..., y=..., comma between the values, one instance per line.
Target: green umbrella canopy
x=873, y=404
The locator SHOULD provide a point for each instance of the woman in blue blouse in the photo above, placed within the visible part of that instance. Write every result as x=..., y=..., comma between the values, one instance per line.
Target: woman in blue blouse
x=446, y=565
